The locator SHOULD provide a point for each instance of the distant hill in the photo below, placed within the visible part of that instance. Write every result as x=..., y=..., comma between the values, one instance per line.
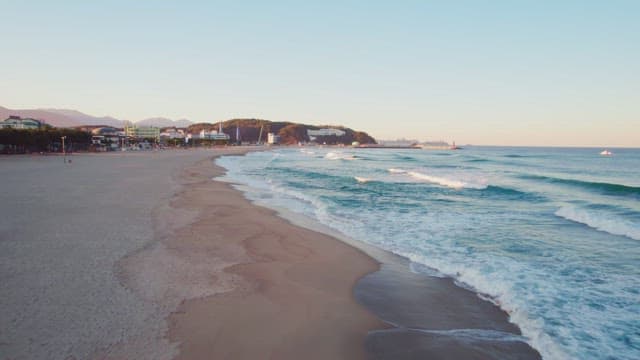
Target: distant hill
x=290, y=133
x=73, y=118
x=84, y=119
x=164, y=122
x=61, y=117
x=51, y=118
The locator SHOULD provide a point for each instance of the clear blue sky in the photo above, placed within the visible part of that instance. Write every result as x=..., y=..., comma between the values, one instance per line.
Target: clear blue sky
x=481, y=72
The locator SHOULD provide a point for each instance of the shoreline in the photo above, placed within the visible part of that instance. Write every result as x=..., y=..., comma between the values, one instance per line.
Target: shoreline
x=290, y=293
x=432, y=318
x=172, y=260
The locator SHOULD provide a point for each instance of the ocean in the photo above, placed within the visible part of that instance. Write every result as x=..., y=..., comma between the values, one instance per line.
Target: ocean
x=551, y=235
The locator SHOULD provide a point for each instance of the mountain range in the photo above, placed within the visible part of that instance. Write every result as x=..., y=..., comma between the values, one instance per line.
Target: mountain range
x=71, y=118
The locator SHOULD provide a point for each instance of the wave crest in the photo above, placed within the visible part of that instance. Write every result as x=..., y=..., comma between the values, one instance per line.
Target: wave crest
x=608, y=223
x=602, y=187
x=339, y=156
x=452, y=183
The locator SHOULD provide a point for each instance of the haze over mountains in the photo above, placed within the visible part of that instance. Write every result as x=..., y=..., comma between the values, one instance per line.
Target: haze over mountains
x=70, y=118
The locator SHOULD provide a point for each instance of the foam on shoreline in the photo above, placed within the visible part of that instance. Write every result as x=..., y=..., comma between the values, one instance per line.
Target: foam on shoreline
x=396, y=272
x=291, y=277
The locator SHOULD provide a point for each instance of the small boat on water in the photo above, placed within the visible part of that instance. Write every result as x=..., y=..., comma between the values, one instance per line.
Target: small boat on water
x=606, y=152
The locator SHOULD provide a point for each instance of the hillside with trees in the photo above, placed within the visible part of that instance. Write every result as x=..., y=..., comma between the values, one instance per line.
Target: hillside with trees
x=290, y=133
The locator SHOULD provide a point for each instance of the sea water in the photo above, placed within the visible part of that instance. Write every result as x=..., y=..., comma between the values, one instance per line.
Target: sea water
x=551, y=235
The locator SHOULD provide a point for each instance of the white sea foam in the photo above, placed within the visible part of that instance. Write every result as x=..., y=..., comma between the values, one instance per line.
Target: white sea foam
x=339, y=156
x=476, y=334
x=362, y=179
x=397, y=171
x=609, y=223
x=501, y=294
x=444, y=181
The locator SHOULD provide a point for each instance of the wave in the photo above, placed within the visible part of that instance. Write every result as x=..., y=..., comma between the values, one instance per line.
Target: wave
x=608, y=223
x=475, y=334
x=499, y=293
x=452, y=183
x=362, y=180
x=602, y=187
x=405, y=158
x=478, y=160
x=446, y=166
x=440, y=180
x=339, y=156
x=505, y=190
x=515, y=156
x=294, y=173
x=509, y=193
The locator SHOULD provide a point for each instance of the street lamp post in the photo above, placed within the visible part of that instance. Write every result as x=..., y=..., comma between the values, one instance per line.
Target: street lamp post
x=64, y=151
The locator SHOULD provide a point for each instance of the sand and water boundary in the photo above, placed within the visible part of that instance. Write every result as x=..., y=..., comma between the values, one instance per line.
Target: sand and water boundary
x=142, y=255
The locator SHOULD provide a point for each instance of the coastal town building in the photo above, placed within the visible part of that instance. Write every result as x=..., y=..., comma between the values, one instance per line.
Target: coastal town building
x=172, y=133
x=142, y=132
x=16, y=122
x=326, y=132
x=212, y=135
x=106, y=131
x=273, y=138
x=314, y=134
x=106, y=138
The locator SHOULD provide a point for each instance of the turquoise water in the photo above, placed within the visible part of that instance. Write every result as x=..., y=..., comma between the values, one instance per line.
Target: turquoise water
x=551, y=235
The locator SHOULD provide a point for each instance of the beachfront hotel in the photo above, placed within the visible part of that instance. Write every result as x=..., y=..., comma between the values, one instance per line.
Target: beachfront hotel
x=16, y=122
x=213, y=135
x=273, y=139
x=314, y=134
x=142, y=131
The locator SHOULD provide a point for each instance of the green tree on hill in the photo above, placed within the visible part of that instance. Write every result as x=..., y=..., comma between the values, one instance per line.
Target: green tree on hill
x=290, y=133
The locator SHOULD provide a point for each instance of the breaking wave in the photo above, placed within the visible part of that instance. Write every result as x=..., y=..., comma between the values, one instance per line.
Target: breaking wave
x=609, y=223
x=601, y=187
x=452, y=183
x=339, y=156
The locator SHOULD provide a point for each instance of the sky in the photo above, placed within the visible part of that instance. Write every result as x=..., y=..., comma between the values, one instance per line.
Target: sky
x=546, y=73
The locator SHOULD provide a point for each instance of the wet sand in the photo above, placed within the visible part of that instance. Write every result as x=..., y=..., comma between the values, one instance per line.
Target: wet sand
x=292, y=287
x=433, y=318
x=426, y=316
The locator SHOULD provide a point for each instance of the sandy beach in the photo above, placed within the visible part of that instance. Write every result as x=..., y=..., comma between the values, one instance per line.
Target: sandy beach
x=291, y=294
x=100, y=256
x=144, y=256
